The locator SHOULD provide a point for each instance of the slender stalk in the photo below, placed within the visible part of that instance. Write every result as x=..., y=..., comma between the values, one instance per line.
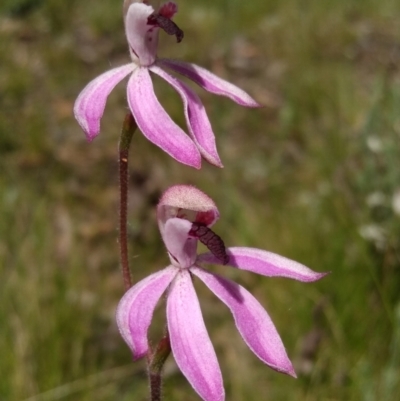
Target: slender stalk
x=155, y=386
x=128, y=128
x=157, y=359
x=155, y=365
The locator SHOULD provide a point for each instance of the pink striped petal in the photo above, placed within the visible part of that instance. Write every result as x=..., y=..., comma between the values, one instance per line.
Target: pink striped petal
x=265, y=263
x=135, y=310
x=156, y=124
x=91, y=102
x=209, y=81
x=252, y=321
x=196, y=118
x=190, y=342
x=181, y=248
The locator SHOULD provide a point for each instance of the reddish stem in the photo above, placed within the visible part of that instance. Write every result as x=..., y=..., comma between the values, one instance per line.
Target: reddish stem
x=128, y=128
x=157, y=359
x=155, y=364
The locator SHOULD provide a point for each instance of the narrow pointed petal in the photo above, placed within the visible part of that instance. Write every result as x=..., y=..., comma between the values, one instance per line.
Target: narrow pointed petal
x=190, y=343
x=142, y=37
x=156, y=124
x=135, y=310
x=265, y=263
x=196, y=118
x=209, y=81
x=179, y=245
x=91, y=102
x=252, y=321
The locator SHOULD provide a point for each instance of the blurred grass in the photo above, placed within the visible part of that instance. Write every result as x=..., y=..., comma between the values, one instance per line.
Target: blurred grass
x=314, y=176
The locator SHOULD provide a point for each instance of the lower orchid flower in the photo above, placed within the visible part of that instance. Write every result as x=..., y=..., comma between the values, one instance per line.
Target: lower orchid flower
x=184, y=216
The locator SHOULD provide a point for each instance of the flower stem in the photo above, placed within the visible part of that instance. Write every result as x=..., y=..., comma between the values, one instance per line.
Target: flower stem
x=157, y=359
x=128, y=128
x=155, y=365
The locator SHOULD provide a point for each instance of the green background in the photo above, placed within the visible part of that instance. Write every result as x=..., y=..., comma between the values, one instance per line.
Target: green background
x=314, y=176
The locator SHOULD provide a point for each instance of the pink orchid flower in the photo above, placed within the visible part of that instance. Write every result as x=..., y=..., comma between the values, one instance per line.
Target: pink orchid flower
x=142, y=26
x=184, y=216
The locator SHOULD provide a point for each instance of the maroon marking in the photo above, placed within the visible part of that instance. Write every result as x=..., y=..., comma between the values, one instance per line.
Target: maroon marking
x=205, y=218
x=168, y=10
x=166, y=24
x=211, y=240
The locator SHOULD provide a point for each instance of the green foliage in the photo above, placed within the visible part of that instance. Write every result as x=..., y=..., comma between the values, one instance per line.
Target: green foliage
x=314, y=175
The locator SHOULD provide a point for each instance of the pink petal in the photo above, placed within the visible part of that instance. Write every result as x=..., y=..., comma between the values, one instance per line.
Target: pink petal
x=135, y=310
x=156, y=124
x=179, y=245
x=142, y=38
x=186, y=201
x=190, y=342
x=209, y=81
x=252, y=321
x=196, y=118
x=265, y=263
x=91, y=102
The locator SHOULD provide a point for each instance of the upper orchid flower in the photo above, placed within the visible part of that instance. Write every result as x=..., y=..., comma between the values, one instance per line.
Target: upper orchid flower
x=184, y=217
x=142, y=26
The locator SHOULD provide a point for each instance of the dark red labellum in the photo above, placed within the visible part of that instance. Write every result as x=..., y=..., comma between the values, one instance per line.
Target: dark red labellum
x=166, y=24
x=211, y=240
